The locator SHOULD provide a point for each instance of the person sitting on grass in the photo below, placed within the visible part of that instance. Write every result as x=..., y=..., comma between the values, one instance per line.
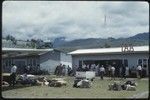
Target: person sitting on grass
x=25, y=79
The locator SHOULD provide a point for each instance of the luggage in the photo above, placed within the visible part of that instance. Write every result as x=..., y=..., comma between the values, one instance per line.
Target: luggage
x=116, y=86
x=76, y=82
x=82, y=83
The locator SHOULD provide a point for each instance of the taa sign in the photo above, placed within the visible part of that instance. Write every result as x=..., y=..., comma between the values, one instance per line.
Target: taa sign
x=127, y=48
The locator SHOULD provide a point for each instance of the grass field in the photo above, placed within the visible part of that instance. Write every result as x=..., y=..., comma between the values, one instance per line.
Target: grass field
x=99, y=89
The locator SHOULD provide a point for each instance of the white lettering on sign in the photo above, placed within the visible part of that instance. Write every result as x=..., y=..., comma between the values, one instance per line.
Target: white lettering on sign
x=126, y=48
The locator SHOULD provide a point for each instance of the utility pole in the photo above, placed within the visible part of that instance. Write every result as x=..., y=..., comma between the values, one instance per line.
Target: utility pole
x=105, y=20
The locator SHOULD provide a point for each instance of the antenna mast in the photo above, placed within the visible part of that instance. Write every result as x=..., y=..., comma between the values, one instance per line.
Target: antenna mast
x=105, y=20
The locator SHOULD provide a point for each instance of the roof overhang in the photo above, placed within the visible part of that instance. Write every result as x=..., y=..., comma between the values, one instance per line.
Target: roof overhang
x=19, y=52
x=137, y=49
x=23, y=50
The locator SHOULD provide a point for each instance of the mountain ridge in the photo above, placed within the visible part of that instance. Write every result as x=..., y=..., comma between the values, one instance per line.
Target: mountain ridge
x=136, y=40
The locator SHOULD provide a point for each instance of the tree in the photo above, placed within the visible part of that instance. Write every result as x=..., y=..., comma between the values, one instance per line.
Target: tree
x=48, y=45
x=28, y=43
x=33, y=43
x=14, y=41
x=8, y=37
x=39, y=43
x=106, y=45
x=11, y=38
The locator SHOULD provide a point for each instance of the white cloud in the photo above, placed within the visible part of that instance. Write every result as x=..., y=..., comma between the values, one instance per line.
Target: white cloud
x=74, y=19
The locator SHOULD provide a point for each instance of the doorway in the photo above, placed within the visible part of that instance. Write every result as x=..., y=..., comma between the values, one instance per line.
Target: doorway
x=20, y=66
x=117, y=63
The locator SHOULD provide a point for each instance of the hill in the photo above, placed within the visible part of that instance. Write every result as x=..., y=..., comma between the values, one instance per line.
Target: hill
x=67, y=46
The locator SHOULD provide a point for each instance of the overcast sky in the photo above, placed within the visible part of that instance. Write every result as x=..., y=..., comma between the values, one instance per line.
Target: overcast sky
x=74, y=19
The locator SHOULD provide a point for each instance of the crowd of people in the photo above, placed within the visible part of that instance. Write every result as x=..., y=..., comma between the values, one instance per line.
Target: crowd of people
x=62, y=70
x=110, y=70
x=100, y=70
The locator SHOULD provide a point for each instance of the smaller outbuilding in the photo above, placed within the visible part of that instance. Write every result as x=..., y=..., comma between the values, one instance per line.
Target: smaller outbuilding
x=44, y=59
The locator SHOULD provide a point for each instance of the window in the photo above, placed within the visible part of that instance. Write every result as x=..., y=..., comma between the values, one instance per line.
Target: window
x=9, y=62
x=80, y=63
x=140, y=62
x=30, y=62
x=34, y=62
x=144, y=63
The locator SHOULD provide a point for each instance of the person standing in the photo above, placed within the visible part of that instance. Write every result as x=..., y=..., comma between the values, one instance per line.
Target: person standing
x=123, y=72
x=144, y=71
x=139, y=71
x=102, y=71
x=56, y=70
x=13, y=75
x=61, y=70
x=28, y=69
x=112, y=72
x=97, y=70
x=74, y=69
x=120, y=72
x=93, y=67
x=127, y=71
x=69, y=70
x=83, y=67
x=86, y=68
x=109, y=70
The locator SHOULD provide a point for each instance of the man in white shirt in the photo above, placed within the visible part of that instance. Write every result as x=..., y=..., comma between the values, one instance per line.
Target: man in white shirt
x=93, y=67
x=28, y=69
x=102, y=70
x=127, y=71
x=13, y=75
x=83, y=66
x=97, y=70
x=112, y=72
x=139, y=71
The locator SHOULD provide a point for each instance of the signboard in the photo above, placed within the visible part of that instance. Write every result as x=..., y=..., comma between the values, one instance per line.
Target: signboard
x=127, y=48
x=87, y=74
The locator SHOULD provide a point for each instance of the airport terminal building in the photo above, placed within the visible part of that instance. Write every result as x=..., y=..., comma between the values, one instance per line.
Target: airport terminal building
x=113, y=56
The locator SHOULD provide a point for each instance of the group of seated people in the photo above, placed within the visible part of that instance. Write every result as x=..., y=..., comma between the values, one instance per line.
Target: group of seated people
x=82, y=83
x=129, y=85
x=32, y=80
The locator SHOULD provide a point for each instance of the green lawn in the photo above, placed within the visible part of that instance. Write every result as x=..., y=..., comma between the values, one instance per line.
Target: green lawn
x=99, y=89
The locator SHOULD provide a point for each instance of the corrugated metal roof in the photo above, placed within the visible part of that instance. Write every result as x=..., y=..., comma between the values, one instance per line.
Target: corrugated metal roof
x=108, y=50
x=22, y=49
x=22, y=53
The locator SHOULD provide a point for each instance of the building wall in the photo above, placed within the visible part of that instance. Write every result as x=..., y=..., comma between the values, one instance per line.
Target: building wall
x=50, y=60
x=47, y=61
x=20, y=62
x=132, y=58
x=66, y=59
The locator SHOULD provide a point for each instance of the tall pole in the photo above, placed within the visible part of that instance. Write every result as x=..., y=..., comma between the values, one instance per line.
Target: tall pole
x=105, y=20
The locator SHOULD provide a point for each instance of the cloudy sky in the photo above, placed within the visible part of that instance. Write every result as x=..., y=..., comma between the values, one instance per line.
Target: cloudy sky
x=74, y=19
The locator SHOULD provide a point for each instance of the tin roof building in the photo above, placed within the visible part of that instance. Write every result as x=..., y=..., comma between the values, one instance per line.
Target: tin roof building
x=112, y=56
